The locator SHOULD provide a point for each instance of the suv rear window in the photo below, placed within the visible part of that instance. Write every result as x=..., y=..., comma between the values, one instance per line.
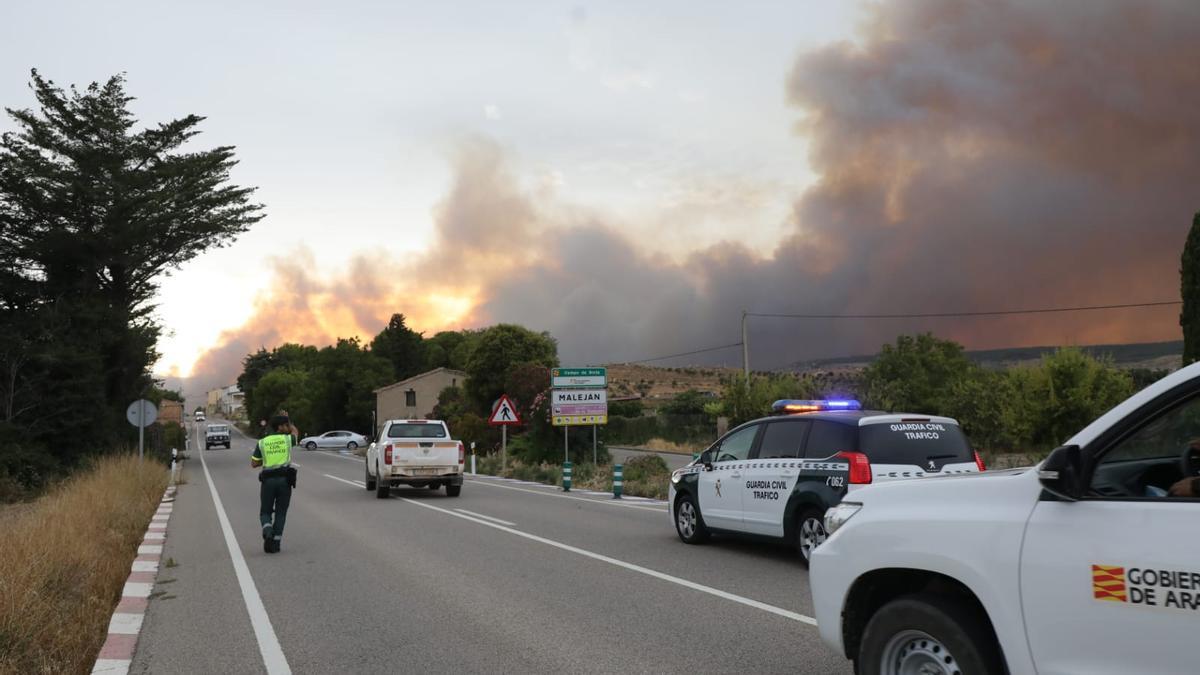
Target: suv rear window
x=416, y=430
x=218, y=430
x=915, y=443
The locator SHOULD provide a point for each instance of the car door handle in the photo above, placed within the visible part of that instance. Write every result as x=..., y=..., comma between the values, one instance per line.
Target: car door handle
x=736, y=474
x=785, y=472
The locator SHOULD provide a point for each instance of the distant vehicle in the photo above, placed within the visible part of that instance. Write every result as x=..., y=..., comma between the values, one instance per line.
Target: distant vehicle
x=1088, y=563
x=334, y=439
x=199, y=416
x=216, y=434
x=419, y=453
x=775, y=477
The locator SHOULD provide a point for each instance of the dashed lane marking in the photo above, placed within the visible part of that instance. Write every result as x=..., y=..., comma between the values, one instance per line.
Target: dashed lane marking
x=725, y=595
x=480, y=515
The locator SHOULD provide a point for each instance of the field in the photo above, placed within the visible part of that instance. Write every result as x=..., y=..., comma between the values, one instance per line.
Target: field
x=664, y=383
x=65, y=558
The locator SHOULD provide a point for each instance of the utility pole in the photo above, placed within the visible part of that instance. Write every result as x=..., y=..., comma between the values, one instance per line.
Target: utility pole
x=745, y=348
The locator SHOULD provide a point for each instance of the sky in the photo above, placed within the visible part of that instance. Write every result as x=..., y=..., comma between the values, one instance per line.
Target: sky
x=630, y=176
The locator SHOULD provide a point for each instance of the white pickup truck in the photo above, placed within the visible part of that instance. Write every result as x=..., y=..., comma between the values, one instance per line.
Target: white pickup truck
x=1088, y=563
x=419, y=453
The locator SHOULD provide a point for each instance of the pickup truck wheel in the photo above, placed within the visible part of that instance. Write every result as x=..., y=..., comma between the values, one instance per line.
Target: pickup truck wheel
x=310, y=445
x=453, y=490
x=810, y=533
x=368, y=480
x=924, y=633
x=689, y=525
x=382, y=489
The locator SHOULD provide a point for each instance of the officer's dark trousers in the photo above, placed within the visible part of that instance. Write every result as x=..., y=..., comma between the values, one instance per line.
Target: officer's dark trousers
x=276, y=494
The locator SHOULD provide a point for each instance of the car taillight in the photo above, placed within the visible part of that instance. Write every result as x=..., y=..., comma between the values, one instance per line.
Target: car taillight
x=387, y=454
x=979, y=461
x=462, y=453
x=860, y=467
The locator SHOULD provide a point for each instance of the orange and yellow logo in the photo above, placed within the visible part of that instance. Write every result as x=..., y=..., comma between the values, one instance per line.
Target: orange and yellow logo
x=1108, y=583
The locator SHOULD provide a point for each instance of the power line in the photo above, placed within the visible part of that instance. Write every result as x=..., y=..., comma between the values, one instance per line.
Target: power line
x=695, y=351
x=935, y=315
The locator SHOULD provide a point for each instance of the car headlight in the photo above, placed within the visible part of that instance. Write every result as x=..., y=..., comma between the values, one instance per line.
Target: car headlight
x=676, y=476
x=838, y=515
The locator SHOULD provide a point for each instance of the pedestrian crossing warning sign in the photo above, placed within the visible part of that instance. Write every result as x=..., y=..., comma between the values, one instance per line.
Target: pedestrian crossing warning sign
x=505, y=413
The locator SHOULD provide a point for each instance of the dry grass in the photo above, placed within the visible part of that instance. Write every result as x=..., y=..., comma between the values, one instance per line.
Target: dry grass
x=65, y=559
x=660, y=445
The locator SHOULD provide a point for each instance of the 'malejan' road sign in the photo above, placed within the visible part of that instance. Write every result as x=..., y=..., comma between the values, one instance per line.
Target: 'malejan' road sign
x=565, y=378
x=573, y=402
x=505, y=413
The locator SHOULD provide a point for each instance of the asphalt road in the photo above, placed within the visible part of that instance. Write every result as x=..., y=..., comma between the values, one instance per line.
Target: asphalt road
x=506, y=577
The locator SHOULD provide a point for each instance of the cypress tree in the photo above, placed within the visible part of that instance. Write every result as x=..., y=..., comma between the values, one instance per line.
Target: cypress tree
x=1189, y=272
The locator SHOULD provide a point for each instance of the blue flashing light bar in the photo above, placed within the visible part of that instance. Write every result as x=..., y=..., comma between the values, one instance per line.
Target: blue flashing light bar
x=786, y=406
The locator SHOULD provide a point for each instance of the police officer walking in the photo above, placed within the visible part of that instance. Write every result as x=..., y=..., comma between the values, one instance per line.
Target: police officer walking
x=274, y=454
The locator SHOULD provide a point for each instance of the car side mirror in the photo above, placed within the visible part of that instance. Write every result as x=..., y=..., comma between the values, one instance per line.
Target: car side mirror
x=1062, y=473
x=706, y=460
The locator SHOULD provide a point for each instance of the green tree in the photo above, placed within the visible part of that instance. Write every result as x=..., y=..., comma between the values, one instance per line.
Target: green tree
x=741, y=402
x=344, y=391
x=916, y=374
x=93, y=212
x=287, y=389
x=450, y=349
x=402, y=347
x=690, y=402
x=1189, y=292
x=500, y=348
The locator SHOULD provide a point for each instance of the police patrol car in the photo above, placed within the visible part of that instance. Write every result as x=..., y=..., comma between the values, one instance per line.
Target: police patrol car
x=1089, y=563
x=775, y=477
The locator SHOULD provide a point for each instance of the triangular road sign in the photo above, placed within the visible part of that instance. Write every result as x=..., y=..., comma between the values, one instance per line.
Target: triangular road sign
x=505, y=413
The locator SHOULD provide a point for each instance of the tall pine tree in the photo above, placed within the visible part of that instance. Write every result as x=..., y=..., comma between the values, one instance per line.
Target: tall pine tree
x=1189, y=272
x=93, y=212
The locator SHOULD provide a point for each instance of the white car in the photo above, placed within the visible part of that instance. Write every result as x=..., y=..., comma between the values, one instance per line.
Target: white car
x=216, y=434
x=1085, y=564
x=775, y=477
x=419, y=453
x=334, y=439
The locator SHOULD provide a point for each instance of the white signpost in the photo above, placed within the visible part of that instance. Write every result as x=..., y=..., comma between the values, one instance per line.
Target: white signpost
x=579, y=397
x=141, y=414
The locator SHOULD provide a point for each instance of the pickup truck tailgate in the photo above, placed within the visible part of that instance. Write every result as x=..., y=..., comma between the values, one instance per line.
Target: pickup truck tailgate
x=417, y=454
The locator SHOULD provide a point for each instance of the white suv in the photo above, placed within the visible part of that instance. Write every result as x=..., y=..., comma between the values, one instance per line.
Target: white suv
x=1088, y=564
x=775, y=477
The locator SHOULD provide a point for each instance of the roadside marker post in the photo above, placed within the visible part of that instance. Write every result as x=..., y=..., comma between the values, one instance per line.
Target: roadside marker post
x=472, y=458
x=566, y=476
x=618, y=480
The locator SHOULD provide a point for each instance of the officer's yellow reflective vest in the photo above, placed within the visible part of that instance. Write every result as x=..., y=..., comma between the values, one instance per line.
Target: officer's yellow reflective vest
x=276, y=450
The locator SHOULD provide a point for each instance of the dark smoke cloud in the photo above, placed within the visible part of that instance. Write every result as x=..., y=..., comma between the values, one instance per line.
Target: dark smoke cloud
x=970, y=155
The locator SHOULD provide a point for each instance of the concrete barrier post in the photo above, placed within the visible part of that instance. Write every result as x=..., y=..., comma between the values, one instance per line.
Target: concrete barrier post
x=618, y=480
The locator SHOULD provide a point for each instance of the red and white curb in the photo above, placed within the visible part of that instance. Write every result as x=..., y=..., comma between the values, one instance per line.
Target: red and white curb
x=117, y=653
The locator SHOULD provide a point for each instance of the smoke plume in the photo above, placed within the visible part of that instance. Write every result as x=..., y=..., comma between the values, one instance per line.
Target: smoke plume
x=970, y=155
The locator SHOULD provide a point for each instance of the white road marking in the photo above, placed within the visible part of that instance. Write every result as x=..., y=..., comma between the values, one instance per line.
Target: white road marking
x=348, y=482
x=477, y=481
x=480, y=515
x=778, y=611
x=268, y=644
